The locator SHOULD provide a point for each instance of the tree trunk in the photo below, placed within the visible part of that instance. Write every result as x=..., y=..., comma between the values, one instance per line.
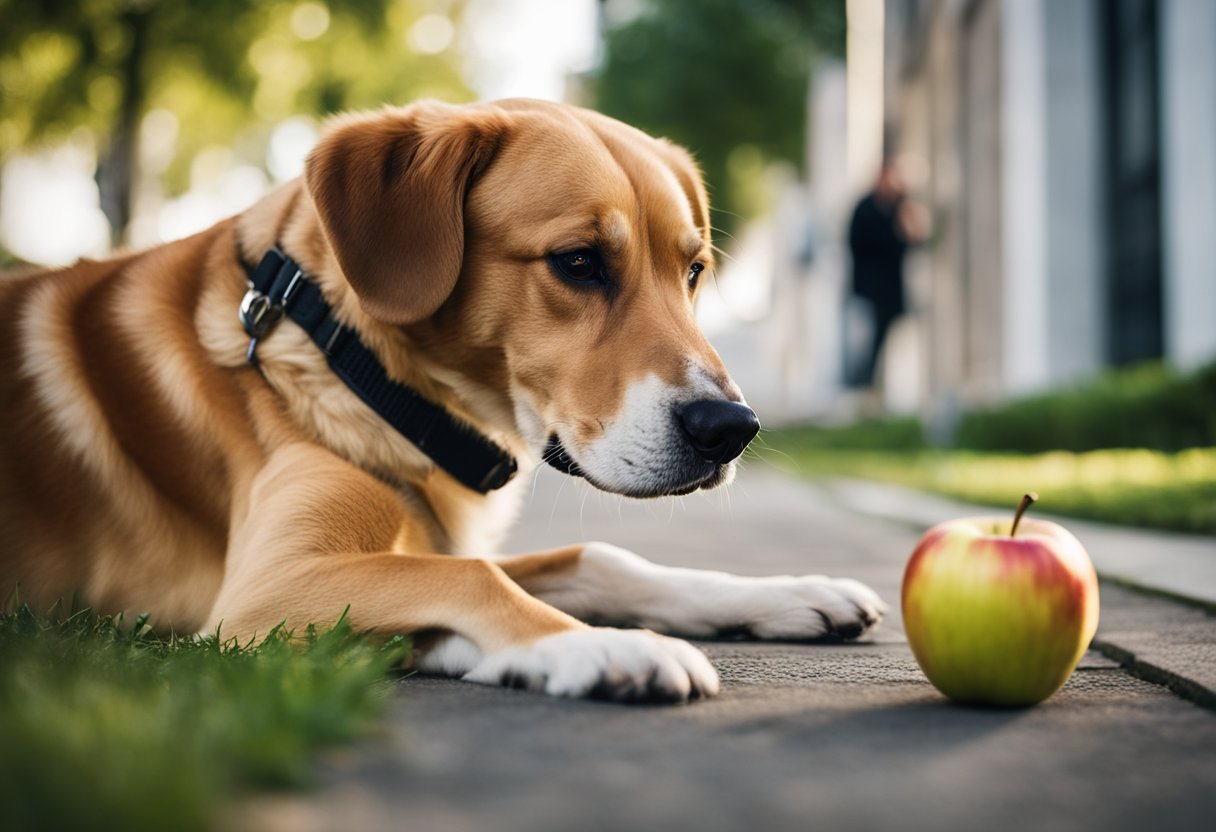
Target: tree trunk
x=116, y=168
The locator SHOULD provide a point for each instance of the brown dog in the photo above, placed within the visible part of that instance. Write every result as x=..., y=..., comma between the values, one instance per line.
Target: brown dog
x=530, y=268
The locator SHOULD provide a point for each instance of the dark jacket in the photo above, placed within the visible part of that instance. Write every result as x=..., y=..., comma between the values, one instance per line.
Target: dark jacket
x=878, y=254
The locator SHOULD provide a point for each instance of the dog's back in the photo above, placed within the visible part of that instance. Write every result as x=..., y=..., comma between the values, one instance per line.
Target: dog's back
x=111, y=482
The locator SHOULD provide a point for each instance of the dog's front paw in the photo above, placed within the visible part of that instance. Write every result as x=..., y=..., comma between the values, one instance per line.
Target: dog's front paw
x=602, y=663
x=811, y=607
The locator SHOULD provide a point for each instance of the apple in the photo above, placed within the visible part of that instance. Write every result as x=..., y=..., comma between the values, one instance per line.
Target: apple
x=996, y=614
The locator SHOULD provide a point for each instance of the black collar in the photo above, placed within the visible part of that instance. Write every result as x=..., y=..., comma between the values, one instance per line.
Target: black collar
x=280, y=288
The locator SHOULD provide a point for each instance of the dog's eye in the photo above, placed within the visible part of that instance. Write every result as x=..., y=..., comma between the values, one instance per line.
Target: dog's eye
x=582, y=266
x=694, y=274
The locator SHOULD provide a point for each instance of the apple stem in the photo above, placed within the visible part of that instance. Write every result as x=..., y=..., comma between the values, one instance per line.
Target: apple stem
x=1027, y=499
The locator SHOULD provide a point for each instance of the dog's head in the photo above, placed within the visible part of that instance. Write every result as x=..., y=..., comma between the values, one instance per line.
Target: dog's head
x=553, y=255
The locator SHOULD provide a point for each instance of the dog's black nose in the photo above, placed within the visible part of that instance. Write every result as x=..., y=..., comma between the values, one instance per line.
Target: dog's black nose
x=719, y=430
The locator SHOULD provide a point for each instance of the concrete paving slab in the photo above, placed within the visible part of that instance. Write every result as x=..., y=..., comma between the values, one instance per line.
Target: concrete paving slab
x=803, y=737
x=806, y=739
x=1161, y=641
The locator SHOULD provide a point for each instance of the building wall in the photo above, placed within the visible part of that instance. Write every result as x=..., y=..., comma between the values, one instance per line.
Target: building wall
x=1023, y=196
x=1052, y=320
x=980, y=214
x=1005, y=102
x=1073, y=214
x=945, y=300
x=1188, y=41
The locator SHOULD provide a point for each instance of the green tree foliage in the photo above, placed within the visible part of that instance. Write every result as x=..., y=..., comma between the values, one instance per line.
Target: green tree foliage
x=228, y=69
x=725, y=78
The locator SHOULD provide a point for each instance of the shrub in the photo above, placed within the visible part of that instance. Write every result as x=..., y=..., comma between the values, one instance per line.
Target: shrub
x=1147, y=406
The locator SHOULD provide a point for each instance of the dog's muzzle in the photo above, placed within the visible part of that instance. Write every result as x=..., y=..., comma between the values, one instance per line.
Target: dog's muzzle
x=716, y=433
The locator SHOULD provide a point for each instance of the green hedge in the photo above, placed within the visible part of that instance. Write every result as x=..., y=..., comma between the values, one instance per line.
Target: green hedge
x=1147, y=406
x=1134, y=446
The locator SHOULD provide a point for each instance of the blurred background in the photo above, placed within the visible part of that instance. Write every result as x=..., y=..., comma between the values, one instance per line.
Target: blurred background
x=1057, y=159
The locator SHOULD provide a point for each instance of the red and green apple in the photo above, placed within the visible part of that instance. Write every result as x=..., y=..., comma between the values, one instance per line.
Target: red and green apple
x=999, y=613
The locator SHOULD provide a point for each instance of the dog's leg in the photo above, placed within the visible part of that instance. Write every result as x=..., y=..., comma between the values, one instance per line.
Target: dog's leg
x=319, y=537
x=609, y=585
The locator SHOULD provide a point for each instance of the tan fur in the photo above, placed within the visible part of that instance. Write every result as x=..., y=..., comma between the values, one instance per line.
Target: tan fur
x=145, y=466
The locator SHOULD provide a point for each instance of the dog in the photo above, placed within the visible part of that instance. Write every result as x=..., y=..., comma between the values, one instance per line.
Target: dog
x=498, y=285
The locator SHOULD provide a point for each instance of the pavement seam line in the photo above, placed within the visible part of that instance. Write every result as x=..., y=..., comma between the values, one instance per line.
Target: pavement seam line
x=1181, y=686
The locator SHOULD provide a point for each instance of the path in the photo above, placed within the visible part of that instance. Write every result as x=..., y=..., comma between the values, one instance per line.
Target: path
x=803, y=737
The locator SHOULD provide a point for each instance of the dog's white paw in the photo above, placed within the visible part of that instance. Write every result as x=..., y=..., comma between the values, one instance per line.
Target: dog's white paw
x=603, y=663
x=809, y=607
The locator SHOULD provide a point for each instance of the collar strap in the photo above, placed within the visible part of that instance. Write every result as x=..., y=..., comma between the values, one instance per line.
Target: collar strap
x=280, y=287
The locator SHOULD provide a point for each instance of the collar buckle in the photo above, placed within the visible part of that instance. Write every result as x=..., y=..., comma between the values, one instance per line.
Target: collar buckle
x=258, y=316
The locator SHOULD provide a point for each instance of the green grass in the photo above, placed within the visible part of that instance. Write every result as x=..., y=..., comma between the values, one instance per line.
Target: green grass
x=1175, y=491
x=105, y=726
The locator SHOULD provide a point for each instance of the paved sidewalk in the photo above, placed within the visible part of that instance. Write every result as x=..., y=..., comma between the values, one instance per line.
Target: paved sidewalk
x=803, y=737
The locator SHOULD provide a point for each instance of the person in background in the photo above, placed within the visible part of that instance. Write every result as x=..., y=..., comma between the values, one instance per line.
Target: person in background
x=885, y=222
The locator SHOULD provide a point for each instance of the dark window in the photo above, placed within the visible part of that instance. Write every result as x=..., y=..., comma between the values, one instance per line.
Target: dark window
x=1133, y=181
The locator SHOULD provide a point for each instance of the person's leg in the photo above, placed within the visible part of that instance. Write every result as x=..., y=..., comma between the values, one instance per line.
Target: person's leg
x=857, y=362
x=880, y=322
x=884, y=317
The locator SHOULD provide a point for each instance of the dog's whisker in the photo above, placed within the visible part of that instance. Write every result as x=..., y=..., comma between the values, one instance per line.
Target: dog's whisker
x=536, y=479
x=556, y=501
x=581, y=507
x=723, y=254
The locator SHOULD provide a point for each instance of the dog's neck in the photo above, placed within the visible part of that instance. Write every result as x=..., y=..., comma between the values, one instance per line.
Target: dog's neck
x=320, y=404
x=282, y=293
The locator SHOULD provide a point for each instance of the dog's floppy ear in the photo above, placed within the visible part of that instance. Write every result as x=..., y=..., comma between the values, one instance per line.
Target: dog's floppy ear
x=390, y=191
